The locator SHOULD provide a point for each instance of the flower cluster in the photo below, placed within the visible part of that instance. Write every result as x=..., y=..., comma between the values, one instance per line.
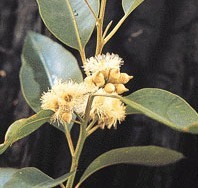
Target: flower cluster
x=104, y=72
x=107, y=110
x=64, y=98
x=104, y=80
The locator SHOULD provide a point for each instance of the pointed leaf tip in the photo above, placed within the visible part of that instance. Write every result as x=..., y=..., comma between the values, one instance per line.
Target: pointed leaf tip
x=142, y=155
x=130, y=5
x=23, y=127
x=164, y=107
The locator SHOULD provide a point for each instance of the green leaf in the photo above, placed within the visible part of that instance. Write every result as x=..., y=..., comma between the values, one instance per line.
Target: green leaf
x=42, y=62
x=164, y=107
x=71, y=21
x=130, y=110
x=5, y=175
x=29, y=177
x=142, y=155
x=23, y=127
x=130, y=5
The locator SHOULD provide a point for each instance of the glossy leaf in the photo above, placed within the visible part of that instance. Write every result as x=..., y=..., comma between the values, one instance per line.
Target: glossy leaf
x=30, y=177
x=130, y=5
x=42, y=62
x=164, y=107
x=5, y=175
x=142, y=155
x=23, y=127
x=71, y=21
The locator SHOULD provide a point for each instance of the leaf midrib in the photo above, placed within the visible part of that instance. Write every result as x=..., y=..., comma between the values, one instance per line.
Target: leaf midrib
x=75, y=25
x=160, y=118
x=42, y=60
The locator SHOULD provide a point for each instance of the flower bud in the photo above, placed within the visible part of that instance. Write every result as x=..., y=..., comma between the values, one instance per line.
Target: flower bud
x=124, y=78
x=99, y=79
x=88, y=80
x=109, y=88
x=67, y=117
x=114, y=75
x=120, y=88
x=105, y=73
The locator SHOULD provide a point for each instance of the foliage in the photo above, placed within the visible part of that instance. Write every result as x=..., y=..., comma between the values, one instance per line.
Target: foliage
x=29, y=177
x=53, y=86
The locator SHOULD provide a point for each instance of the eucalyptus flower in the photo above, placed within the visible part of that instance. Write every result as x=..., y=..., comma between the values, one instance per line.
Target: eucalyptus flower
x=102, y=63
x=65, y=97
x=104, y=72
x=108, y=110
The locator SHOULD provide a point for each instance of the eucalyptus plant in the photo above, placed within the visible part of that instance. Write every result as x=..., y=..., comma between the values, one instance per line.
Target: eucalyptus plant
x=54, y=87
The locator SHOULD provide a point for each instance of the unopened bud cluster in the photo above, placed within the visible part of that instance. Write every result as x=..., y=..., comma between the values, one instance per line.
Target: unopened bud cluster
x=107, y=75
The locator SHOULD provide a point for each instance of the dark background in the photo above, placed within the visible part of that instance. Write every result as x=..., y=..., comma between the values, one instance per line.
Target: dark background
x=159, y=43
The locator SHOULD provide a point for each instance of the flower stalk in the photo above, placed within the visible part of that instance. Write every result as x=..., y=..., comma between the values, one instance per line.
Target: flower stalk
x=93, y=130
x=79, y=147
x=69, y=139
x=99, y=27
x=75, y=158
x=115, y=29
